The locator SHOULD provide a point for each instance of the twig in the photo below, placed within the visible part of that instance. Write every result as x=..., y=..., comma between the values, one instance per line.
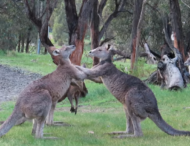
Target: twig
x=185, y=4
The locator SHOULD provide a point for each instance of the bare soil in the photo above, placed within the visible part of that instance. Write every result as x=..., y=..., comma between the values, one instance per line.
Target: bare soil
x=13, y=80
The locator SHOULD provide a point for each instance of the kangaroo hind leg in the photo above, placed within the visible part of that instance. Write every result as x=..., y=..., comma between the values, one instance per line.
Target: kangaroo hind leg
x=135, y=107
x=129, y=124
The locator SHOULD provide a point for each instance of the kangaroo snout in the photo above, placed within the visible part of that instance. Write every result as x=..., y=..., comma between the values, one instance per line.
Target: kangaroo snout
x=90, y=54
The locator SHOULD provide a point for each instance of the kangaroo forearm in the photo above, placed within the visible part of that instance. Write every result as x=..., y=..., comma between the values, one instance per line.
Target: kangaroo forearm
x=96, y=80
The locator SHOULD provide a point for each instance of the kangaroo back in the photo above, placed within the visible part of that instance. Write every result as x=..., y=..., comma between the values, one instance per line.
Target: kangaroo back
x=158, y=120
x=10, y=122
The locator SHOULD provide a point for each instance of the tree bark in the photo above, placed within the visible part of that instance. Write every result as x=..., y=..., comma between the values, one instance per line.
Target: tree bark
x=139, y=27
x=77, y=26
x=72, y=19
x=136, y=16
x=22, y=44
x=19, y=40
x=28, y=40
x=96, y=34
x=177, y=26
x=94, y=28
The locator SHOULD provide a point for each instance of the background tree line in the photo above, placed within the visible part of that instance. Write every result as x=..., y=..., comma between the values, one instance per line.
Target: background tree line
x=88, y=23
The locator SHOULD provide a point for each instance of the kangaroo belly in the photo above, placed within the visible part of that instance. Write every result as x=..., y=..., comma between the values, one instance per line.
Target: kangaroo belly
x=115, y=87
x=174, y=77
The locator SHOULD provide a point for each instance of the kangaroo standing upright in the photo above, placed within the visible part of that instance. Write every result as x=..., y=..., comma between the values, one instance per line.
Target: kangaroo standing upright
x=138, y=100
x=36, y=100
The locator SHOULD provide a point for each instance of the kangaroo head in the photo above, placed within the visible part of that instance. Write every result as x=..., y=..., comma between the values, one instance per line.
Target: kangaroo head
x=187, y=62
x=102, y=52
x=165, y=59
x=64, y=52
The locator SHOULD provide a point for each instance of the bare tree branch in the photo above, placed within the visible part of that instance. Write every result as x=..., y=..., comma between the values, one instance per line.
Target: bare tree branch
x=42, y=23
x=106, y=40
x=118, y=7
x=185, y=4
x=101, y=7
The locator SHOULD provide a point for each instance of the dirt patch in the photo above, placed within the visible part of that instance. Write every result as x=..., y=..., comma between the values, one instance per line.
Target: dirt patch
x=13, y=80
x=93, y=109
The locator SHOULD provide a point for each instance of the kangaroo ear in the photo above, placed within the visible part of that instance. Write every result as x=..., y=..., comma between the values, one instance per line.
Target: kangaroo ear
x=108, y=46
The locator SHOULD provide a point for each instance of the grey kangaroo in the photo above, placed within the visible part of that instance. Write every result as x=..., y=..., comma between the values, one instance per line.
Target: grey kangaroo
x=75, y=92
x=138, y=100
x=40, y=97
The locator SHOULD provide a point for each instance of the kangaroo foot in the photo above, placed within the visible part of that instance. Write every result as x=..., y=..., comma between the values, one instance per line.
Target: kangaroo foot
x=73, y=110
x=119, y=132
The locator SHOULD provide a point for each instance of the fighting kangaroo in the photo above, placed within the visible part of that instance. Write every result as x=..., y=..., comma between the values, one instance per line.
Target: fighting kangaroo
x=76, y=90
x=41, y=96
x=138, y=100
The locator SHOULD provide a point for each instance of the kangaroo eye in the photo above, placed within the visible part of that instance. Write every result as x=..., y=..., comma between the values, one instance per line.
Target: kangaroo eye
x=99, y=50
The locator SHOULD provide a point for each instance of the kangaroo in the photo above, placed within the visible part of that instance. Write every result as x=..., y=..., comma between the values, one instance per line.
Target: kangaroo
x=75, y=92
x=41, y=96
x=172, y=75
x=138, y=100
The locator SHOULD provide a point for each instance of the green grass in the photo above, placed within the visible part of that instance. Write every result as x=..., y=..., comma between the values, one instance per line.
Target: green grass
x=100, y=113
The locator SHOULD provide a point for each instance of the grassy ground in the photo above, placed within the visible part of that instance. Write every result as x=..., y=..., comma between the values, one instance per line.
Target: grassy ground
x=100, y=113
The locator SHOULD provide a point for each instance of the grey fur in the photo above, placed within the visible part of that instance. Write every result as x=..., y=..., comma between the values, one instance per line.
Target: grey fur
x=138, y=100
x=171, y=74
x=75, y=92
x=40, y=97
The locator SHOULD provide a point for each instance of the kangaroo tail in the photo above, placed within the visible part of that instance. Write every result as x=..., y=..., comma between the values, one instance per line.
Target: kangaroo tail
x=157, y=119
x=10, y=122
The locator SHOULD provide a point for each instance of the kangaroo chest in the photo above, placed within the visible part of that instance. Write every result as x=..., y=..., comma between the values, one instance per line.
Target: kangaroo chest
x=59, y=87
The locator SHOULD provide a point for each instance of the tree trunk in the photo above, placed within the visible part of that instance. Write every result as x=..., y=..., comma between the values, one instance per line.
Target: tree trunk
x=187, y=50
x=139, y=27
x=77, y=26
x=177, y=26
x=72, y=19
x=136, y=16
x=94, y=29
x=19, y=40
x=22, y=43
x=28, y=40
